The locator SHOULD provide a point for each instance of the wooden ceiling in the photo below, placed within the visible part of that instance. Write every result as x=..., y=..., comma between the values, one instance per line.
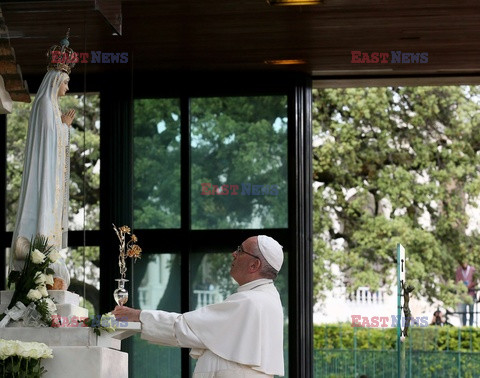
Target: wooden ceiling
x=229, y=35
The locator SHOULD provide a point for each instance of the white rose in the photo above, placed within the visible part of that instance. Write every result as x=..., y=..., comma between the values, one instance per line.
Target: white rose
x=43, y=290
x=7, y=348
x=37, y=257
x=40, y=278
x=49, y=279
x=44, y=350
x=34, y=295
x=40, y=350
x=24, y=349
x=32, y=350
x=52, y=308
x=54, y=255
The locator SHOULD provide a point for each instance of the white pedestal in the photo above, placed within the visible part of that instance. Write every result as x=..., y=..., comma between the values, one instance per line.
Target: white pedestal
x=66, y=301
x=79, y=352
x=86, y=362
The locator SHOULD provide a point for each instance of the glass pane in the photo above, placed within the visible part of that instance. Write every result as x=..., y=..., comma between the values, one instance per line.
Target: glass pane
x=17, y=125
x=84, y=160
x=239, y=162
x=90, y=273
x=210, y=278
x=156, y=191
x=211, y=283
x=157, y=286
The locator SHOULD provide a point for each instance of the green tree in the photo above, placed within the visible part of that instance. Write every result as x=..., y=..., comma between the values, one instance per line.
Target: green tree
x=156, y=187
x=234, y=141
x=395, y=165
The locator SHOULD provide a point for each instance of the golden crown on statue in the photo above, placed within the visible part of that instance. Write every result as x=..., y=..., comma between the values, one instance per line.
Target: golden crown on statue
x=61, y=57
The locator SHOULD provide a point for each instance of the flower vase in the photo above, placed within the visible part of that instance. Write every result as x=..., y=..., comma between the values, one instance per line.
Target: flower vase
x=121, y=294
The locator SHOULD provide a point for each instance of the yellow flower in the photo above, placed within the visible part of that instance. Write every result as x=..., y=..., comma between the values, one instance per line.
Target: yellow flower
x=134, y=251
x=134, y=238
x=125, y=229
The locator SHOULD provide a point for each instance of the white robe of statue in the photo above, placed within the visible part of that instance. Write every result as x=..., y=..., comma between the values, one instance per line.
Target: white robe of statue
x=44, y=193
x=239, y=337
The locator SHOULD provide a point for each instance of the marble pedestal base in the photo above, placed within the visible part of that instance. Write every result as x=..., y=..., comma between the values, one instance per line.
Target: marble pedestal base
x=86, y=362
x=79, y=352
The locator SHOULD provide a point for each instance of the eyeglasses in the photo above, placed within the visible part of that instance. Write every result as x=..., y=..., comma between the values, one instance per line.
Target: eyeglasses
x=241, y=250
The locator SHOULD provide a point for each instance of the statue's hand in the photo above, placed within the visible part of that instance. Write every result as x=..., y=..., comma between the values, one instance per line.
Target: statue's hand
x=67, y=118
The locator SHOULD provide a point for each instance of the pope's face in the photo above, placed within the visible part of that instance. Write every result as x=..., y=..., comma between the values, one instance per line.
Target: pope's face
x=63, y=88
x=241, y=261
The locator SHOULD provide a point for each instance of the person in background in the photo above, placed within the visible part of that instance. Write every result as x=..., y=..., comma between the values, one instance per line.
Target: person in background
x=466, y=274
x=438, y=319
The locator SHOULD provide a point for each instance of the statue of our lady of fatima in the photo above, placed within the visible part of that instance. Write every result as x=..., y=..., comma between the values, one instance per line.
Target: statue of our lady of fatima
x=44, y=193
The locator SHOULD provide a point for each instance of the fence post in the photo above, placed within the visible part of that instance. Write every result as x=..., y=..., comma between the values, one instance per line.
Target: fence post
x=355, y=350
x=410, y=354
x=459, y=353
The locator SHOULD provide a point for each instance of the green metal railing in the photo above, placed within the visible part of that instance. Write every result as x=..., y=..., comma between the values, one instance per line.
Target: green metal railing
x=345, y=351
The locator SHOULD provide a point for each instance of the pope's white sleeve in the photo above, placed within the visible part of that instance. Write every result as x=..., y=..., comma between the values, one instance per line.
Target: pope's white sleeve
x=157, y=327
x=185, y=336
x=168, y=328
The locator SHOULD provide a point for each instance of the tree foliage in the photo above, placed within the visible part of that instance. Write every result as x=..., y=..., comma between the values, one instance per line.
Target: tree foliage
x=233, y=141
x=396, y=165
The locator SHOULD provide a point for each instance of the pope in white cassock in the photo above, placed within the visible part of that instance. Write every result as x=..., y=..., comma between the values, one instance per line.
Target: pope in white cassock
x=239, y=337
x=43, y=201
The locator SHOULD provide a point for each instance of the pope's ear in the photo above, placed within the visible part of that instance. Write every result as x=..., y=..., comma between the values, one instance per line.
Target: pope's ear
x=255, y=265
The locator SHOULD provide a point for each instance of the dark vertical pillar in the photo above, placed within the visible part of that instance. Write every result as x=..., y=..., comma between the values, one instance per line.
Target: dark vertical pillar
x=116, y=160
x=300, y=221
x=3, y=174
x=185, y=221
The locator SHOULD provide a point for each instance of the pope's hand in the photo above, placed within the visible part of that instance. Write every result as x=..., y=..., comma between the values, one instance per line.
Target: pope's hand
x=123, y=313
x=67, y=118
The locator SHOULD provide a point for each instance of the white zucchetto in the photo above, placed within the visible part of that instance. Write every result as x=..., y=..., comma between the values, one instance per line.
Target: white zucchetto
x=271, y=250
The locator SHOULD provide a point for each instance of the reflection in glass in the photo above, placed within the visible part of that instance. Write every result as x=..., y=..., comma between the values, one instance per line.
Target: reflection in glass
x=157, y=286
x=156, y=191
x=90, y=273
x=239, y=162
x=84, y=160
x=210, y=278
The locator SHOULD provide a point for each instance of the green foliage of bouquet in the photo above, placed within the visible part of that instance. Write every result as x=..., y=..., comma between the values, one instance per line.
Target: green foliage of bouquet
x=30, y=283
x=107, y=323
x=22, y=359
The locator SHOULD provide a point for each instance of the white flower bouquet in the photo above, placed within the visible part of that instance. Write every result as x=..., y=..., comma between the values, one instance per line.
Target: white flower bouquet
x=22, y=359
x=30, y=300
